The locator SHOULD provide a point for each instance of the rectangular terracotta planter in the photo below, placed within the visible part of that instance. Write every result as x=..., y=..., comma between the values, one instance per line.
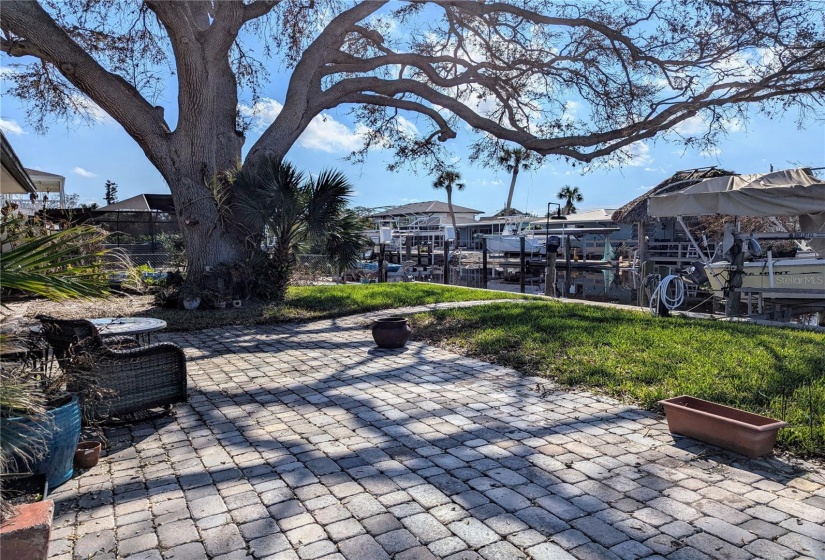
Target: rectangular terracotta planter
x=27, y=535
x=730, y=428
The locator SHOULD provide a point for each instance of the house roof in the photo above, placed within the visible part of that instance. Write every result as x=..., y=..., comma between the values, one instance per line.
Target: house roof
x=142, y=203
x=46, y=182
x=31, y=171
x=597, y=215
x=15, y=179
x=429, y=207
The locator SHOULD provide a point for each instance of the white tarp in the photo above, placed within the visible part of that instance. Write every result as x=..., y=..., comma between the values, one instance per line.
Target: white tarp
x=792, y=192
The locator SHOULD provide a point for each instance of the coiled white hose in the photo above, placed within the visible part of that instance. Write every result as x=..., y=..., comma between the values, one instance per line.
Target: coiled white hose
x=662, y=293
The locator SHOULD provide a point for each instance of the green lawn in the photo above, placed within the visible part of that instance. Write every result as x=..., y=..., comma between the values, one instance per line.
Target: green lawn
x=772, y=371
x=306, y=303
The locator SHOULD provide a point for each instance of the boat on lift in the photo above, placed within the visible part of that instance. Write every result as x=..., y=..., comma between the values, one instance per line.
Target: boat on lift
x=793, y=192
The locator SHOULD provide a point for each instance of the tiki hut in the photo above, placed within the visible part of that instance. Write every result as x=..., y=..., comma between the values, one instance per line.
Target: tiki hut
x=635, y=211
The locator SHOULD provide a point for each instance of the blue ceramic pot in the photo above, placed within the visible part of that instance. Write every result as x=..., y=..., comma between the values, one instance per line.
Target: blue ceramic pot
x=49, y=441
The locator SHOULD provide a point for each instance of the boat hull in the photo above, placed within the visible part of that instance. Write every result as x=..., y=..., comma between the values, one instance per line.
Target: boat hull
x=797, y=278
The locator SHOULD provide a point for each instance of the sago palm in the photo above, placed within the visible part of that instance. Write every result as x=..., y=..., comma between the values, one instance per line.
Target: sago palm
x=449, y=180
x=298, y=212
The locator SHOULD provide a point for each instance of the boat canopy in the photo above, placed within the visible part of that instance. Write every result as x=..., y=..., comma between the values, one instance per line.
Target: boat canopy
x=791, y=192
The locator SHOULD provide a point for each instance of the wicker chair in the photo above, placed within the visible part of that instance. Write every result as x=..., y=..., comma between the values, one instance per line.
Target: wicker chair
x=115, y=376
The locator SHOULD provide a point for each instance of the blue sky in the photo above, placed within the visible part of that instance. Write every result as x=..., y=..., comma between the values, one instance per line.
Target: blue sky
x=89, y=155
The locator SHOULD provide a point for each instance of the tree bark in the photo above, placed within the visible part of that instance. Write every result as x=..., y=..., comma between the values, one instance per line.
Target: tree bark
x=452, y=218
x=512, y=189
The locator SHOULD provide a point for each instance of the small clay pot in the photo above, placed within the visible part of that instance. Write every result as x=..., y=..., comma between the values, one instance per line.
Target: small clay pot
x=236, y=303
x=87, y=454
x=391, y=332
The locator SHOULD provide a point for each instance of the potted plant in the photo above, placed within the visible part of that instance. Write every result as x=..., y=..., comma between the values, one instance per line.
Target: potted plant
x=56, y=265
x=190, y=297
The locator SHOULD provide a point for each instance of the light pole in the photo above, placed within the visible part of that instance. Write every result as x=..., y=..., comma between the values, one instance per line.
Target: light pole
x=551, y=246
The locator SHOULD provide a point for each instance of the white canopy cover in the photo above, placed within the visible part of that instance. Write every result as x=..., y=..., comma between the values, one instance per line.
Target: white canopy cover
x=792, y=192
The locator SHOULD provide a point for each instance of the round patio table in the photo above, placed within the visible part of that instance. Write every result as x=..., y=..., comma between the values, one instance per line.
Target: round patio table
x=120, y=326
x=135, y=326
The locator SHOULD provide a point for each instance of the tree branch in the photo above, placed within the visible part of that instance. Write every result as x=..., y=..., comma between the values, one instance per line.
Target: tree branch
x=123, y=102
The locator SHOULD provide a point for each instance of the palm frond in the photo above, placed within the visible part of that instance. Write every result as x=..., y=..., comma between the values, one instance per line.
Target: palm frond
x=56, y=266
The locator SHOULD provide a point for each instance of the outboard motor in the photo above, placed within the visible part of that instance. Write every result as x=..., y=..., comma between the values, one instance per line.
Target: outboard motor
x=695, y=273
x=754, y=250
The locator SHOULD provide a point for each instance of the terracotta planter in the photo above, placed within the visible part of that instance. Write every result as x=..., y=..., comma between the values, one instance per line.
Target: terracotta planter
x=391, y=332
x=27, y=535
x=730, y=428
x=87, y=454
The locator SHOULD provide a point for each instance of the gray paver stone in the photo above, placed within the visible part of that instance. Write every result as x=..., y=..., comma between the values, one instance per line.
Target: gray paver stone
x=447, y=546
x=137, y=544
x=362, y=547
x=425, y=527
x=223, y=539
x=397, y=541
x=501, y=550
x=417, y=553
x=316, y=550
x=177, y=533
x=345, y=529
x=268, y=544
x=599, y=531
x=716, y=548
x=189, y=551
x=549, y=551
x=473, y=532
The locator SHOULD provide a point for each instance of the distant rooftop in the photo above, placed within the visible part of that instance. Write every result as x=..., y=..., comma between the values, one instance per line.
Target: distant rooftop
x=142, y=203
x=429, y=207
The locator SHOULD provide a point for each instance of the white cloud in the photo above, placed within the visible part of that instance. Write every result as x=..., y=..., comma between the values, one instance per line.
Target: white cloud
x=636, y=154
x=323, y=133
x=83, y=172
x=10, y=126
x=326, y=134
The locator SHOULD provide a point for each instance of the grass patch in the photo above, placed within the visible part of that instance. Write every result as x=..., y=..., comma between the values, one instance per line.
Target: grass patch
x=303, y=303
x=771, y=371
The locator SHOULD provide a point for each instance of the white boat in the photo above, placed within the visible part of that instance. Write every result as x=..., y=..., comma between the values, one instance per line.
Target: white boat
x=791, y=278
x=512, y=244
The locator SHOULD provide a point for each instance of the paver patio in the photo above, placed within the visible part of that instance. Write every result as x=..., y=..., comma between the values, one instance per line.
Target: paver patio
x=305, y=441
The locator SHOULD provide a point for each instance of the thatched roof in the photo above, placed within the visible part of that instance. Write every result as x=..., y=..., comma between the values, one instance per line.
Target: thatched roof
x=636, y=210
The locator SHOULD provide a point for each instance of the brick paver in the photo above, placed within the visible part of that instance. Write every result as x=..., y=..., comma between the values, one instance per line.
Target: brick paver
x=305, y=441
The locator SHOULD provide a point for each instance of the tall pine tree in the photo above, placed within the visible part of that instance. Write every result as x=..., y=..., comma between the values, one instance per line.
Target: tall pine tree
x=111, y=192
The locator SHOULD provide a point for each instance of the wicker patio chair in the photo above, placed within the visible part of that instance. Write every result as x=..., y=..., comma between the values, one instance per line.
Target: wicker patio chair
x=115, y=376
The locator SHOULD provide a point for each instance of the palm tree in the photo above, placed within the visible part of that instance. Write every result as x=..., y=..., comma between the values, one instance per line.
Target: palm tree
x=570, y=195
x=298, y=212
x=513, y=160
x=447, y=180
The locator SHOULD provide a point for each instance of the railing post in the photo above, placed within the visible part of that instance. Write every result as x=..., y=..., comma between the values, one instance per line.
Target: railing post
x=484, y=262
x=522, y=264
x=446, y=262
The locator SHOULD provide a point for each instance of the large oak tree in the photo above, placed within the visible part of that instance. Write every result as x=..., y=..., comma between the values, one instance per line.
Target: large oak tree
x=510, y=71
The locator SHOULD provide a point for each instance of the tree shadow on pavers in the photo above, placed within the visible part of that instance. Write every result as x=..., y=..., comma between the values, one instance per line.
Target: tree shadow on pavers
x=218, y=342
x=450, y=436
x=710, y=458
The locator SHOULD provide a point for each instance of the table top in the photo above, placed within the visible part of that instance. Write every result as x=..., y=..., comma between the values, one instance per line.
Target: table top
x=110, y=326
